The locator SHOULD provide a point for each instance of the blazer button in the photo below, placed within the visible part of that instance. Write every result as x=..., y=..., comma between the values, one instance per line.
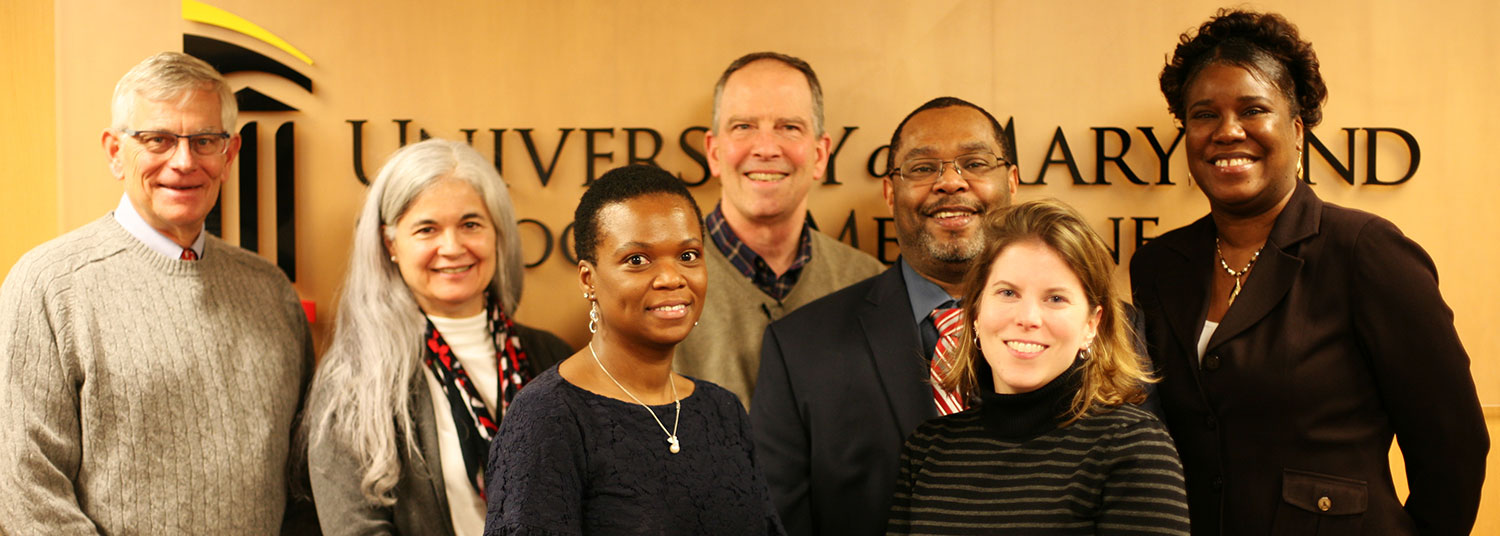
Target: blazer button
x=1211, y=422
x=1211, y=363
x=1217, y=483
x=1324, y=503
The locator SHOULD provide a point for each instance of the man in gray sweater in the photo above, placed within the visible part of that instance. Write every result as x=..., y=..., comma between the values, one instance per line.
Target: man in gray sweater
x=767, y=147
x=151, y=373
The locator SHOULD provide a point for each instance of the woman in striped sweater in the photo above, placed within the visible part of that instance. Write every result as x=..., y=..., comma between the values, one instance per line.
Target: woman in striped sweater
x=1054, y=444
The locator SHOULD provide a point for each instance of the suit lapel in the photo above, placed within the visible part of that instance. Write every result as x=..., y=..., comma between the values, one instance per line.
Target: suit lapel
x=886, y=319
x=430, y=466
x=1183, y=286
x=1276, y=270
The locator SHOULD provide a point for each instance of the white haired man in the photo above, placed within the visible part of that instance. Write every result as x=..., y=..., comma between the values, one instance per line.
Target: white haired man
x=151, y=373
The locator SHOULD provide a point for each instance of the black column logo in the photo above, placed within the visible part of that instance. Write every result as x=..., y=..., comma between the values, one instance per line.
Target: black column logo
x=229, y=58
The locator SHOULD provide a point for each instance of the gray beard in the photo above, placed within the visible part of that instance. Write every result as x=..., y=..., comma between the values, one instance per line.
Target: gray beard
x=959, y=251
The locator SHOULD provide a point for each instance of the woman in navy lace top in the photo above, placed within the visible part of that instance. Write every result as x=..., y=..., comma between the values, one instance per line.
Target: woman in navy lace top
x=611, y=441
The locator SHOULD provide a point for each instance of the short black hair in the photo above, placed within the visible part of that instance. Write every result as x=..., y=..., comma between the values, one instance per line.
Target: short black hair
x=1003, y=137
x=617, y=186
x=1265, y=44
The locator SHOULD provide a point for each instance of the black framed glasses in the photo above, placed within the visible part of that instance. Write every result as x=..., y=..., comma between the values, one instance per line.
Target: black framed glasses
x=972, y=166
x=161, y=142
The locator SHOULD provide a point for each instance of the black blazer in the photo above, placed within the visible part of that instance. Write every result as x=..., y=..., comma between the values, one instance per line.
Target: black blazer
x=421, y=496
x=842, y=383
x=1339, y=340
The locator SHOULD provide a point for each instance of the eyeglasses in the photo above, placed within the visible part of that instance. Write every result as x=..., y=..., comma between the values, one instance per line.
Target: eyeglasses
x=973, y=166
x=160, y=142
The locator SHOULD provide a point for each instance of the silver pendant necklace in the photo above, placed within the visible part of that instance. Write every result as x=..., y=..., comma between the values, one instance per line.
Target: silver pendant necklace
x=1238, y=276
x=672, y=442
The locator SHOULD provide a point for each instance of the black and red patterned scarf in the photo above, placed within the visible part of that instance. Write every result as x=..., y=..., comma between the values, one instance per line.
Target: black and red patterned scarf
x=475, y=423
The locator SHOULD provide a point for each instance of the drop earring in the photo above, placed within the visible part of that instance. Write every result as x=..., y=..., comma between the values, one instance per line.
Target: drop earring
x=593, y=317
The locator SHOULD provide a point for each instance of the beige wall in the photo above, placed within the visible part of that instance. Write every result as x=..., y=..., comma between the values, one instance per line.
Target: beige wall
x=550, y=65
x=28, y=130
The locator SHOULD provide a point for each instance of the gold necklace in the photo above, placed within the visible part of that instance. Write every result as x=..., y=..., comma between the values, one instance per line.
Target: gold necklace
x=1238, y=276
x=672, y=443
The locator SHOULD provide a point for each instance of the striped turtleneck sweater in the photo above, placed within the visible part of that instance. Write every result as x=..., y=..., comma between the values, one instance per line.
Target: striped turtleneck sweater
x=1006, y=466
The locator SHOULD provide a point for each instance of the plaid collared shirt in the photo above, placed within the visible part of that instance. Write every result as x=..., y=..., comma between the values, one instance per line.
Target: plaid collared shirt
x=750, y=264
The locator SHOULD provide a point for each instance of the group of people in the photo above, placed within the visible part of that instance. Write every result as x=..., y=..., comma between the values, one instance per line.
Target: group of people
x=994, y=380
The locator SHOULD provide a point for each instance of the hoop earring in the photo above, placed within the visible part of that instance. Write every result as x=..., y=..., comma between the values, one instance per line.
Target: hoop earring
x=593, y=317
x=1086, y=353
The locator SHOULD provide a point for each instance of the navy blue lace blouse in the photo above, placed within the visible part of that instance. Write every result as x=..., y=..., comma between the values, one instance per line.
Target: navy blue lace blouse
x=571, y=462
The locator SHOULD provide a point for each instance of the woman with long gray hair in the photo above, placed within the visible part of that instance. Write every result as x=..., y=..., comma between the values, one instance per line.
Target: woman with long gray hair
x=425, y=356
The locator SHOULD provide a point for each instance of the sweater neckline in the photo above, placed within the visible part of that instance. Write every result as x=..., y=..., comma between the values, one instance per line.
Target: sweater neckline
x=131, y=245
x=1027, y=415
x=697, y=388
x=816, y=269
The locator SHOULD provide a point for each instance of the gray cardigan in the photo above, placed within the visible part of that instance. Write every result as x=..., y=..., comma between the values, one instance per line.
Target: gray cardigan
x=421, y=501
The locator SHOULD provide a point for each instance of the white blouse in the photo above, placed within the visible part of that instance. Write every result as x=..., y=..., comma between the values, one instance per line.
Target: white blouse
x=1208, y=332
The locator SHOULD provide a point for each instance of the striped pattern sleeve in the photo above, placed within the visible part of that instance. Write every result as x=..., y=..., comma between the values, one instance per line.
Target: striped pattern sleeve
x=1144, y=492
x=1115, y=473
x=900, y=518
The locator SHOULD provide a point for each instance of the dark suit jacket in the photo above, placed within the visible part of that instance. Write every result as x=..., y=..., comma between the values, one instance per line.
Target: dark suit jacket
x=421, y=499
x=1339, y=340
x=842, y=382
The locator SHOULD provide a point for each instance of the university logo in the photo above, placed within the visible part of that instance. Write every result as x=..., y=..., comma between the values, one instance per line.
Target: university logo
x=230, y=58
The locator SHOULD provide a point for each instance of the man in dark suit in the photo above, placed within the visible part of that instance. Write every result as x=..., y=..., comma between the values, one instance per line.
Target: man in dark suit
x=843, y=380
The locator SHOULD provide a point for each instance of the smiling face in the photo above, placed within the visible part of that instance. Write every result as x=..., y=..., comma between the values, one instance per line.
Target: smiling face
x=445, y=247
x=765, y=149
x=650, y=276
x=939, y=223
x=173, y=192
x=1033, y=317
x=1243, y=140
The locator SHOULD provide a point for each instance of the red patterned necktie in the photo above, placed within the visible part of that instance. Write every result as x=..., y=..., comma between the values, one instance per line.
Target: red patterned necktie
x=949, y=323
x=188, y=254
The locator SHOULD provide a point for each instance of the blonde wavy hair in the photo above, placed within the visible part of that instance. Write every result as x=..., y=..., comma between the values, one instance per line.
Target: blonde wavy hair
x=1113, y=373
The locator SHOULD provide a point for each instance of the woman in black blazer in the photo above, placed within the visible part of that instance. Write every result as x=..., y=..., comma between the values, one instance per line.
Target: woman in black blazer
x=1296, y=337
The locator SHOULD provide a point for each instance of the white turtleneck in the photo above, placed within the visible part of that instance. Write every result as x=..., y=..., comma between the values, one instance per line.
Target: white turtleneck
x=474, y=347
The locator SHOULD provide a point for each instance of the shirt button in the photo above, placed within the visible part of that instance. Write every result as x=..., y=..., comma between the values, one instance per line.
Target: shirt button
x=1211, y=363
x=1324, y=503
